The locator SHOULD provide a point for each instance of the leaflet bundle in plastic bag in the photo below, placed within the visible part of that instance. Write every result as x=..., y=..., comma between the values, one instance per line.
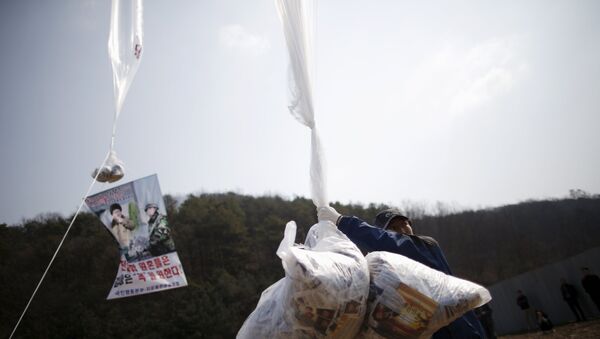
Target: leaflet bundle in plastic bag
x=410, y=300
x=323, y=293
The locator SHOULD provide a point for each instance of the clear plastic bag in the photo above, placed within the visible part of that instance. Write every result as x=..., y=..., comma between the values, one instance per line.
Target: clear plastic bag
x=323, y=293
x=410, y=300
x=113, y=169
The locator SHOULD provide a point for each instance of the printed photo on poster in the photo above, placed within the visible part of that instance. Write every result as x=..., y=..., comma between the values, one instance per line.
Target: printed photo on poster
x=135, y=214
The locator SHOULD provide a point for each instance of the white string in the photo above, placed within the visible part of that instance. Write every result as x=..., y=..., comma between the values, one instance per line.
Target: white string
x=114, y=51
x=59, y=246
x=114, y=133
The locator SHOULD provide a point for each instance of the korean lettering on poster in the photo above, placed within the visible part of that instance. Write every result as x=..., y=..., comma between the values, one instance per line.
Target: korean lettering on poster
x=135, y=214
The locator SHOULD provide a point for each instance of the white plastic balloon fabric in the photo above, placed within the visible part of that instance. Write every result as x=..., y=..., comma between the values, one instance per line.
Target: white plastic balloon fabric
x=323, y=293
x=298, y=18
x=125, y=48
x=410, y=300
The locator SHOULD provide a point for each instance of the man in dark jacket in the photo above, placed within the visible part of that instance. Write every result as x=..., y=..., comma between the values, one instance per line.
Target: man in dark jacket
x=591, y=284
x=569, y=294
x=393, y=233
x=530, y=316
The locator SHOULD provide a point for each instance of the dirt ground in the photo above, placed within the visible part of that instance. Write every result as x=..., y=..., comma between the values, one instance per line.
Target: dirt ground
x=583, y=330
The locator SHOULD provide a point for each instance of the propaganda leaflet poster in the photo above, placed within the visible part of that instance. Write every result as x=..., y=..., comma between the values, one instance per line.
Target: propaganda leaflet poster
x=135, y=214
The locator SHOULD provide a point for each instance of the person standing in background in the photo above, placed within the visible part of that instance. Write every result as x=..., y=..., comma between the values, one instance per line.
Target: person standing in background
x=569, y=294
x=591, y=284
x=530, y=316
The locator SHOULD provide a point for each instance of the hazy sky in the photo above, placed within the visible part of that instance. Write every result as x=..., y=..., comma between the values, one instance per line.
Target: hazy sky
x=474, y=102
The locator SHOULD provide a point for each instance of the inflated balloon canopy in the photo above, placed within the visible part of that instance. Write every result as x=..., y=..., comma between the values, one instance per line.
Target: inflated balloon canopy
x=125, y=48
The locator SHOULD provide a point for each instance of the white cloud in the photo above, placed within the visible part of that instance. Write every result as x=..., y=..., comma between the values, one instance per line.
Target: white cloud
x=460, y=79
x=238, y=38
x=489, y=70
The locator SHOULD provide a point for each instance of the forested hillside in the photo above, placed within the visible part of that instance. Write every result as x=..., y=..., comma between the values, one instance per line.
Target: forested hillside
x=227, y=245
x=491, y=245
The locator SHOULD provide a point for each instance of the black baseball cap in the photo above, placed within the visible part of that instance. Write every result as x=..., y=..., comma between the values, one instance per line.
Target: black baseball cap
x=383, y=218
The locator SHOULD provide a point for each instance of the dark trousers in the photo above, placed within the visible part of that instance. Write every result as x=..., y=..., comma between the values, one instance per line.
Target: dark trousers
x=596, y=299
x=574, y=305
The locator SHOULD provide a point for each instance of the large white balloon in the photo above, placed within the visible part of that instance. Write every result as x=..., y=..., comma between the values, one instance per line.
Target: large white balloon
x=125, y=46
x=298, y=18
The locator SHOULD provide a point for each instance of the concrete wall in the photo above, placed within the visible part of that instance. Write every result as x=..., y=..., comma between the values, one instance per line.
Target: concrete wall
x=542, y=288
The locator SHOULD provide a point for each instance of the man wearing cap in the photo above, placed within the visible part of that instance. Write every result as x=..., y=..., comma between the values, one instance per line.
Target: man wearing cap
x=393, y=233
x=160, y=233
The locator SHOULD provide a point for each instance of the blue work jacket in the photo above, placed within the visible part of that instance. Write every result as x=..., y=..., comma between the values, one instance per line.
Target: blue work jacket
x=422, y=249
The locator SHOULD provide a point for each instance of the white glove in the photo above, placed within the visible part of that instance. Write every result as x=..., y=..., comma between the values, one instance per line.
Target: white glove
x=328, y=213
